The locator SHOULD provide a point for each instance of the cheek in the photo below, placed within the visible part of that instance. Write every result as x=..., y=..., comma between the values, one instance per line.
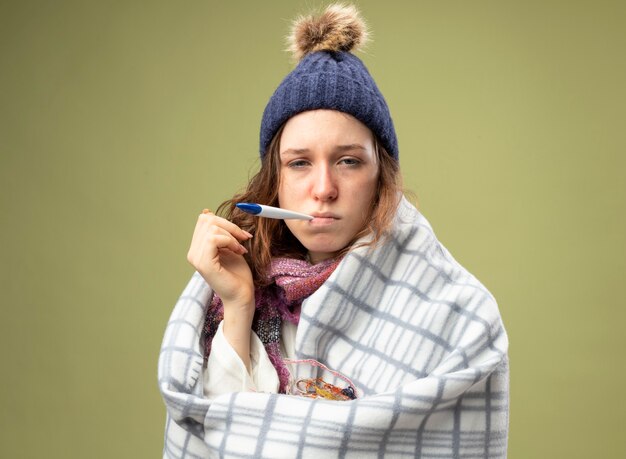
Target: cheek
x=282, y=193
x=365, y=194
x=288, y=189
x=366, y=188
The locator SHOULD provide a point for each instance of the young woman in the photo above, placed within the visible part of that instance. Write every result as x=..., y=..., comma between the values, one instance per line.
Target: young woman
x=352, y=334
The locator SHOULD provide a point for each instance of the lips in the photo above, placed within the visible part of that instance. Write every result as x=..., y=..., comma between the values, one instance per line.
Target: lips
x=323, y=218
x=325, y=215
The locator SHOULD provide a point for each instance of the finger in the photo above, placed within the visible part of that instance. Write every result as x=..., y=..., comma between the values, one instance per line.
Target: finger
x=207, y=251
x=203, y=226
x=216, y=241
x=218, y=230
x=209, y=218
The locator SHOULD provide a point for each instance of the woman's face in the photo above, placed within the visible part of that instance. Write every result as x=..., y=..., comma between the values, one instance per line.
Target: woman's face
x=328, y=169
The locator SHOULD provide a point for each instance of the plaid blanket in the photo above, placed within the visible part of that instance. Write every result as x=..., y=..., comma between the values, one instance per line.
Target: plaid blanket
x=420, y=337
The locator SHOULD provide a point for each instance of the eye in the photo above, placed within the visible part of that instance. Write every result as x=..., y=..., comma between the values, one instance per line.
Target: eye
x=350, y=161
x=297, y=164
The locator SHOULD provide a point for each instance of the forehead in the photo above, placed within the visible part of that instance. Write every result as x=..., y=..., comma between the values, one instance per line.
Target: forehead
x=324, y=128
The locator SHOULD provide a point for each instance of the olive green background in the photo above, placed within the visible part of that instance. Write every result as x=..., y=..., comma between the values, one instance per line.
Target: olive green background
x=121, y=120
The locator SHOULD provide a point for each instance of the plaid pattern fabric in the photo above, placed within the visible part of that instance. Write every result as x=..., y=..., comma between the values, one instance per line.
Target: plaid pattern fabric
x=420, y=337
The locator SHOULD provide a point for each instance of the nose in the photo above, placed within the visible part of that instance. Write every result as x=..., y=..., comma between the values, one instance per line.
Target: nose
x=324, y=186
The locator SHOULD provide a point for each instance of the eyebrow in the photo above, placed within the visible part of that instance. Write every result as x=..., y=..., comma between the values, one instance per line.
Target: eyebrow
x=338, y=148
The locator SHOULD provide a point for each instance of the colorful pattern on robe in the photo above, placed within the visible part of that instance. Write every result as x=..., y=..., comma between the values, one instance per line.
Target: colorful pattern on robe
x=293, y=281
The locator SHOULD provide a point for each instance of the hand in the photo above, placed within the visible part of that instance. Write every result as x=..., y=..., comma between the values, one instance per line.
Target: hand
x=217, y=254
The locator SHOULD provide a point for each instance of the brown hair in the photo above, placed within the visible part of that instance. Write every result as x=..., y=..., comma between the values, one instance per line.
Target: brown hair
x=272, y=238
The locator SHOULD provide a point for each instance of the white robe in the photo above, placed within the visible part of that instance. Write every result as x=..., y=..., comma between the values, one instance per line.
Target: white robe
x=225, y=371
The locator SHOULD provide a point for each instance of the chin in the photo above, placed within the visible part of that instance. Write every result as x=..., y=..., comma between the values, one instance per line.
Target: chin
x=329, y=248
x=324, y=242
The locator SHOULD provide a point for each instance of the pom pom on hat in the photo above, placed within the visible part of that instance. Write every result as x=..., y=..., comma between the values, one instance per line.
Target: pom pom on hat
x=328, y=76
x=339, y=28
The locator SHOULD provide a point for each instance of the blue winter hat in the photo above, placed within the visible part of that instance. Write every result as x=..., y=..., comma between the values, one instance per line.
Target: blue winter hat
x=329, y=76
